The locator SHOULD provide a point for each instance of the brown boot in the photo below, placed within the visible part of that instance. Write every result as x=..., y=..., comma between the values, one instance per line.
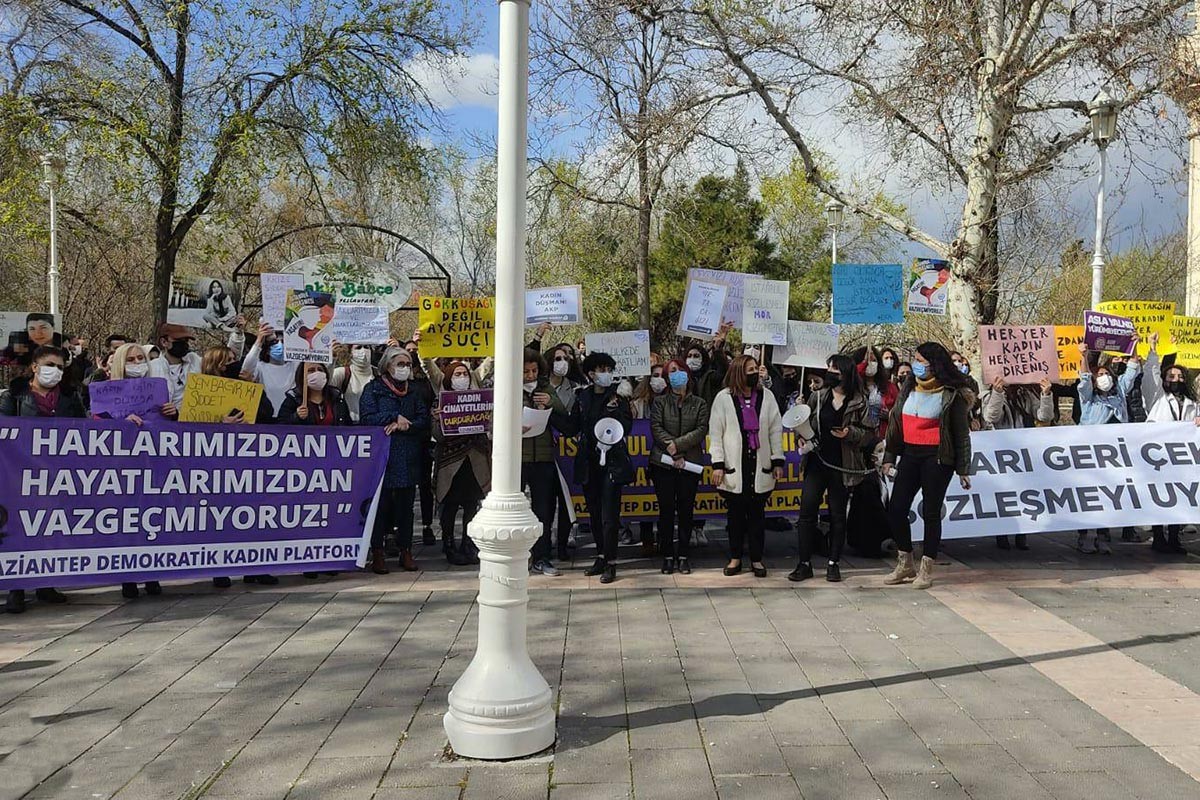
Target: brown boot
x=924, y=577
x=407, y=562
x=903, y=571
x=379, y=562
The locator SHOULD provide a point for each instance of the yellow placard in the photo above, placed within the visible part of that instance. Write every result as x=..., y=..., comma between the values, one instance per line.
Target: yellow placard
x=1150, y=316
x=457, y=326
x=1185, y=336
x=1067, y=339
x=207, y=398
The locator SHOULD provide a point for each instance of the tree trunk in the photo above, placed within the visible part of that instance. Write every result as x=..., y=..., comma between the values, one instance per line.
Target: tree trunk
x=166, y=249
x=645, y=210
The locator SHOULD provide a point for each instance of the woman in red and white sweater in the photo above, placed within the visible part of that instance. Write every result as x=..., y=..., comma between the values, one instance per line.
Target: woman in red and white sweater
x=929, y=429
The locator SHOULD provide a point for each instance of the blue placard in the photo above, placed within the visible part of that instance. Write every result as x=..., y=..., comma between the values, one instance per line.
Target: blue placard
x=868, y=294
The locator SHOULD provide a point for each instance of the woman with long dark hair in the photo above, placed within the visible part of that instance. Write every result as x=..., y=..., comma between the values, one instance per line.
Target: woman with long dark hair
x=841, y=421
x=679, y=425
x=929, y=430
x=879, y=391
x=1169, y=395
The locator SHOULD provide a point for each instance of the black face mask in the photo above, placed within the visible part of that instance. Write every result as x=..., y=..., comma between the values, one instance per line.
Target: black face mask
x=1173, y=387
x=752, y=380
x=233, y=371
x=1117, y=368
x=832, y=379
x=179, y=348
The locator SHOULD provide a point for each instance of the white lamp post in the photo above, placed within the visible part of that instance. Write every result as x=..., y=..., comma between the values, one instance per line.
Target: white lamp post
x=52, y=167
x=834, y=213
x=501, y=706
x=1103, y=112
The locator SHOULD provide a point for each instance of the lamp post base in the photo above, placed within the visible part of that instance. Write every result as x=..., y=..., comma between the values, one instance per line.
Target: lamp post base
x=502, y=707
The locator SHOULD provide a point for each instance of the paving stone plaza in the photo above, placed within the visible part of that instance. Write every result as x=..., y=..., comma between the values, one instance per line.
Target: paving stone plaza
x=1045, y=674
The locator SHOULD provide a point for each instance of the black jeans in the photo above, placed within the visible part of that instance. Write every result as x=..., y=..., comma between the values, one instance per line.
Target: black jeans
x=745, y=518
x=464, y=493
x=426, y=485
x=676, y=492
x=564, y=515
x=395, y=511
x=542, y=479
x=919, y=473
x=819, y=480
x=604, y=511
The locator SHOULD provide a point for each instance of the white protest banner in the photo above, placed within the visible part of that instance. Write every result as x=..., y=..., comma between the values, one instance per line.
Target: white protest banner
x=700, y=317
x=809, y=344
x=1040, y=480
x=630, y=349
x=736, y=281
x=275, y=286
x=360, y=320
x=562, y=305
x=765, y=312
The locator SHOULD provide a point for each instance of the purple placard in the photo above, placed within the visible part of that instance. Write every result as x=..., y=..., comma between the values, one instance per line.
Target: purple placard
x=118, y=399
x=100, y=502
x=1107, y=333
x=465, y=413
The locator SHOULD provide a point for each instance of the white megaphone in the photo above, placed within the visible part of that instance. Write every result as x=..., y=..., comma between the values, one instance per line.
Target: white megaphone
x=608, y=432
x=797, y=419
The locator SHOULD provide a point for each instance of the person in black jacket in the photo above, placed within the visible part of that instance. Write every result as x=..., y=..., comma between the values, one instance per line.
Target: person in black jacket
x=42, y=395
x=602, y=482
x=325, y=404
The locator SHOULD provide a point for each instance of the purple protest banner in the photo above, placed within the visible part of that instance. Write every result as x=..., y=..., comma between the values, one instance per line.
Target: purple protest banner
x=96, y=502
x=465, y=413
x=1107, y=333
x=142, y=397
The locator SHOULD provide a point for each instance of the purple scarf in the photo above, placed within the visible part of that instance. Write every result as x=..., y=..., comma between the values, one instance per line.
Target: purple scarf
x=750, y=418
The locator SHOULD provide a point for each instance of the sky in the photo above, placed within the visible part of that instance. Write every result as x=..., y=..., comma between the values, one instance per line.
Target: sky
x=1143, y=204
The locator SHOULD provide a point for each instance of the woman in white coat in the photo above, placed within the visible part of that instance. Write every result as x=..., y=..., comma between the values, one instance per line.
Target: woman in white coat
x=1169, y=395
x=746, y=444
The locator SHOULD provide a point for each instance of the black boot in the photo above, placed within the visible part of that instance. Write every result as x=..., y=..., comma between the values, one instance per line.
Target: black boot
x=427, y=536
x=1022, y=541
x=221, y=583
x=153, y=588
x=596, y=568
x=129, y=591
x=802, y=572
x=50, y=596
x=1173, y=543
x=610, y=573
x=1002, y=542
x=16, y=602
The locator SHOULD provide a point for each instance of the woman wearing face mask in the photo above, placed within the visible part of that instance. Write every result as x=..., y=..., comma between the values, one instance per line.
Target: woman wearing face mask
x=265, y=364
x=539, y=472
x=881, y=393
x=389, y=402
x=462, y=469
x=930, y=432
x=746, y=444
x=679, y=425
x=353, y=378
x=842, y=422
x=42, y=395
x=317, y=403
x=707, y=373
x=602, y=483
x=889, y=360
x=648, y=390
x=565, y=380
x=1169, y=395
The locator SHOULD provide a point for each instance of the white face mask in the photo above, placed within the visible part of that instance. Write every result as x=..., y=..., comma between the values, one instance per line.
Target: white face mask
x=49, y=376
x=561, y=368
x=138, y=370
x=658, y=385
x=360, y=355
x=694, y=363
x=530, y=385
x=1104, y=383
x=316, y=380
x=76, y=349
x=888, y=363
x=402, y=373
x=604, y=379
x=460, y=383
x=872, y=368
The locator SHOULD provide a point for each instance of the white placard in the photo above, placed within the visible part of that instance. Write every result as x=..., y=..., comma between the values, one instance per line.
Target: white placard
x=562, y=305
x=360, y=320
x=765, y=311
x=736, y=281
x=630, y=349
x=275, y=286
x=809, y=344
x=700, y=317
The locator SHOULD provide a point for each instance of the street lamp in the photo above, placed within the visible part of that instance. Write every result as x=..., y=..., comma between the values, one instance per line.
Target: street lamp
x=501, y=706
x=52, y=168
x=1103, y=112
x=834, y=213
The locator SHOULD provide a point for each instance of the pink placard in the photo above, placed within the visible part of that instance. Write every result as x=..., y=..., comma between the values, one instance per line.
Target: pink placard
x=1018, y=353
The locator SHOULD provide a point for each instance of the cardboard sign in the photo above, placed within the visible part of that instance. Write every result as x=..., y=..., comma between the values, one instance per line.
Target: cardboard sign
x=207, y=398
x=142, y=397
x=306, y=332
x=275, y=286
x=1107, y=333
x=562, y=305
x=1185, y=336
x=1017, y=353
x=703, y=304
x=465, y=413
x=765, y=312
x=360, y=320
x=1150, y=316
x=630, y=349
x=928, y=283
x=809, y=344
x=868, y=294
x=731, y=312
x=1067, y=339
x=457, y=326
